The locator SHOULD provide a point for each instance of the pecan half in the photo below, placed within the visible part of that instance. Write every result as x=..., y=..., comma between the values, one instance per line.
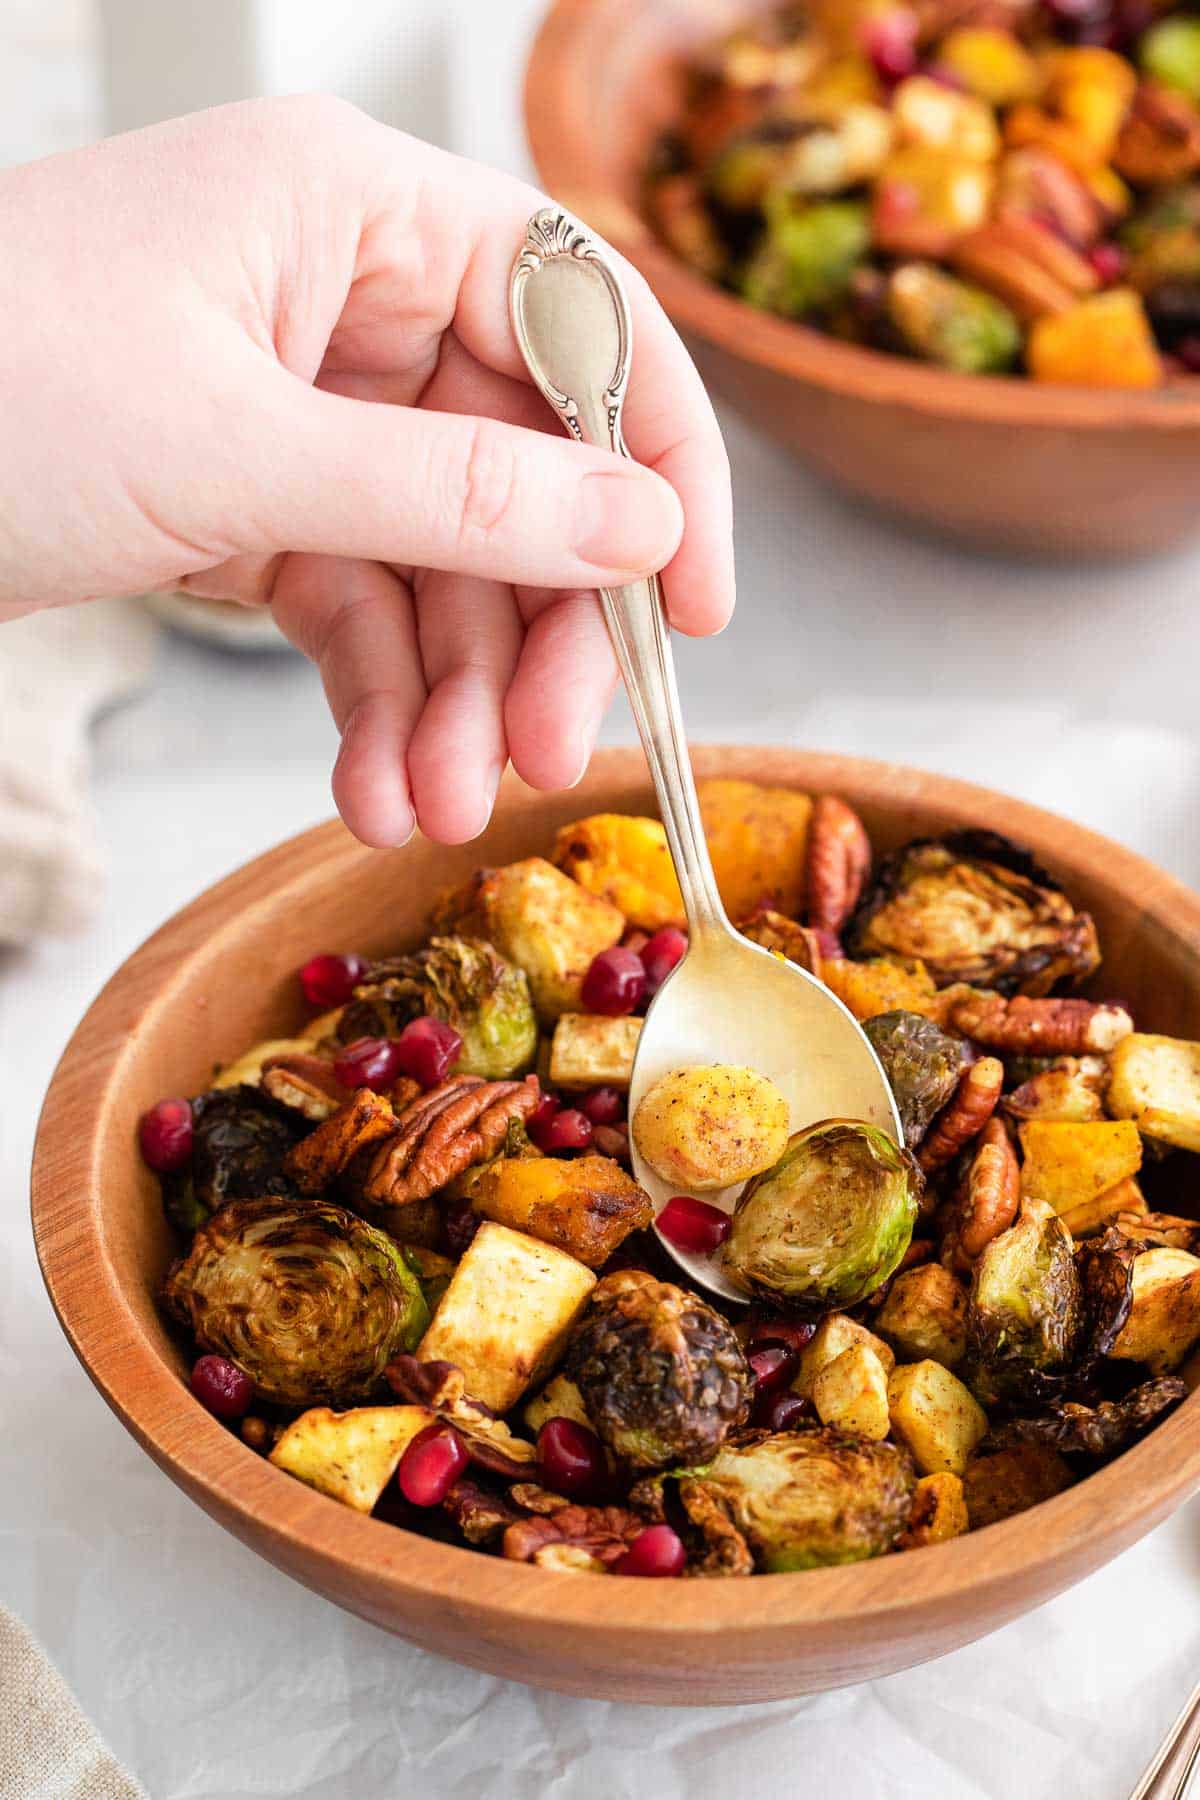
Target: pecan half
x=462, y=1121
x=441, y=1386
x=1040, y=1027
x=482, y=1517
x=988, y=1200
x=306, y=1083
x=837, y=863
x=965, y=1116
x=321, y=1156
x=1160, y=139
x=596, y=1537
x=1026, y=266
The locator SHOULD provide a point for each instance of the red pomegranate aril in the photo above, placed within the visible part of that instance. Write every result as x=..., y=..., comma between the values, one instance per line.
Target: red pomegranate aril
x=370, y=1063
x=428, y=1049
x=890, y=42
x=772, y=1367
x=539, y=1119
x=693, y=1224
x=571, y=1459
x=782, y=1412
x=615, y=982
x=567, y=1129
x=657, y=1551
x=664, y=952
x=431, y=1465
x=221, y=1386
x=1108, y=260
x=793, y=1334
x=165, y=1135
x=604, y=1106
x=330, y=980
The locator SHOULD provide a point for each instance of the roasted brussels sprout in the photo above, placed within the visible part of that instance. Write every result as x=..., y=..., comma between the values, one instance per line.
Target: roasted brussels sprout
x=1101, y=1430
x=463, y=981
x=808, y=1499
x=1025, y=1313
x=921, y=1061
x=661, y=1374
x=974, y=907
x=241, y=1137
x=947, y=321
x=309, y=1301
x=829, y=1222
x=808, y=255
x=1170, y=52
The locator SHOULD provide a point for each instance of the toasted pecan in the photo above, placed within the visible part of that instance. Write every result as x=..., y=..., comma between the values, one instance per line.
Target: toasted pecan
x=597, y=1536
x=1026, y=266
x=306, y=1083
x=991, y=1193
x=1042, y=1027
x=964, y=1117
x=461, y=1122
x=321, y=1156
x=1160, y=138
x=837, y=863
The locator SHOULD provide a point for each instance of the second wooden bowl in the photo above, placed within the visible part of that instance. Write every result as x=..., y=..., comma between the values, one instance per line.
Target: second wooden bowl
x=1006, y=463
x=221, y=975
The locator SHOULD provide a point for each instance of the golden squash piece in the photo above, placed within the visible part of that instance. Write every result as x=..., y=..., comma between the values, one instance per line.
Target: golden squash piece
x=351, y=1456
x=559, y=1399
x=851, y=1393
x=1067, y=1165
x=925, y=1315
x=626, y=861
x=1004, y=1482
x=935, y=1415
x=539, y=919
x=1103, y=341
x=590, y=1050
x=710, y=1126
x=1164, y=1320
x=505, y=1315
x=881, y=985
x=1156, y=1082
x=1093, y=1215
x=836, y=1333
x=939, y=1511
x=757, y=838
x=991, y=64
x=586, y=1206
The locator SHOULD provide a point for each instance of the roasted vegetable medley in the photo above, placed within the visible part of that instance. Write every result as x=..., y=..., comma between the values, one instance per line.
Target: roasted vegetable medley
x=994, y=186
x=419, y=1275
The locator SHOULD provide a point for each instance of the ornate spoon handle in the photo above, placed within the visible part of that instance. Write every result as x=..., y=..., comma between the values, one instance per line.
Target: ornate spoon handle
x=1169, y=1776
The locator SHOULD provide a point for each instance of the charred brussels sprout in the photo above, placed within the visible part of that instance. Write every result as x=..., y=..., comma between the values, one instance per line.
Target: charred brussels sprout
x=463, y=981
x=1101, y=1430
x=947, y=321
x=921, y=1061
x=829, y=1222
x=974, y=907
x=808, y=1499
x=807, y=258
x=662, y=1376
x=241, y=1137
x=1025, y=1315
x=309, y=1301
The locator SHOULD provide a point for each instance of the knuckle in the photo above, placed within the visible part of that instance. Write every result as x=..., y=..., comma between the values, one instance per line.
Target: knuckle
x=486, y=483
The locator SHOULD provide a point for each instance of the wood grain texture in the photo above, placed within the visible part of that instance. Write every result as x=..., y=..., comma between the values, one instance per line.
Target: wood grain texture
x=1006, y=463
x=221, y=974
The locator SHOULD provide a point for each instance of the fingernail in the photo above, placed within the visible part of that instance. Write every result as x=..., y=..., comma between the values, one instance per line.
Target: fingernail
x=627, y=522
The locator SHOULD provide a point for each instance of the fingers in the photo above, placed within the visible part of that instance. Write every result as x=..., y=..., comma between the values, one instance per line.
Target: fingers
x=560, y=692
x=356, y=622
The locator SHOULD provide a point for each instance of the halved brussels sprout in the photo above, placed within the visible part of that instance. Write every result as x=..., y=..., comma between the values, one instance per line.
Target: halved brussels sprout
x=947, y=321
x=662, y=1376
x=309, y=1301
x=463, y=981
x=240, y=1138
x=829, y=1222
x=807, y=256
x=974, y=907
x=1025, y=1314
x=921, y=1061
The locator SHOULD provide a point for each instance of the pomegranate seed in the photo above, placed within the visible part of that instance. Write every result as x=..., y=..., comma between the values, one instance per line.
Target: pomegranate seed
x=539, y=1119
x=165, y=1135
x=772, y=1367
x=890, y=41
x=604, y=1106
x=428, y=1049
x=657, y=1551
x=369, y=1062
x=781, y=1412
x=431, y=1465
x=1108, y=260
x=221, y=1386
x=664, y=952
x=793, y=1334
x=693, y=1224
x=571, y=1459
x=567, y=1129
x=615, y=982
x=330, y=980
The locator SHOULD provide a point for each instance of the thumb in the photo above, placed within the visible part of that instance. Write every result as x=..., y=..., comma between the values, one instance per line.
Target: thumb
x=442, y=491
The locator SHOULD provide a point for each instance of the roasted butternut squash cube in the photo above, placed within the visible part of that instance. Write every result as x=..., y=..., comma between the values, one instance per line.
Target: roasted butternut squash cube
x=350, y=1456
x=939, y=1511
x=1156, y=1082
x=1103, y=341
x=836, y=1333
x=925, y=1315
x=1066, y=1165
x=626, y=861
x=935, y=1415
x=1004, y=1482
x=503, y=1319
x=757, y=838
x=851, y=1393
x=586, y=1206
x=880, y=985
x=1164, y=1319
x=590, y=1050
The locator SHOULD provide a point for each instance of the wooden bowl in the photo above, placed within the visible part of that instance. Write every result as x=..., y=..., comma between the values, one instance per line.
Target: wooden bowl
x=221, y=975
x=1006, y=463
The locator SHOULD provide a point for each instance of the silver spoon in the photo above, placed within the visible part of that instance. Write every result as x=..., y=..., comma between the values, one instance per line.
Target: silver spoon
x=728, y=1001
x=1169, y=1775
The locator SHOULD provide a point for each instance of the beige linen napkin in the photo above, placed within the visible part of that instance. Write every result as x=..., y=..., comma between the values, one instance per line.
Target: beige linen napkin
x=48, y=1751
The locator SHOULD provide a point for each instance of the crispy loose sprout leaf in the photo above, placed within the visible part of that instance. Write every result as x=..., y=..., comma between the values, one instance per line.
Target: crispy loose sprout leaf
x=1105, y=1269
x=999, y=1483
x=559, y=1399
x=588, y=1050
x=836, y=1333
x=1102, y=1430
x=829, y=1222
x=1094, y=1215
x=626, y=861
x=922, y=1063
x=939, y=1511
x=811, y=1499
x=1025, y=1312
x=757, y=838
x=241, y=1138
x=506, y=1313
x=586, y=1206
x=707, y=1127
x=247, y=1070
x=463, y=981
x=851, y=1393
x=935, y=1415
x=1164, y=1317
x=925, y=1315
x=350, y=1456
x=539, y=919
x=786, y=937
x=1067, y=1165
x=661, y=1374
x=880, y=985
x=310, y=1302
x=1156, y=1082
x=441, y=1386
x=974, y=907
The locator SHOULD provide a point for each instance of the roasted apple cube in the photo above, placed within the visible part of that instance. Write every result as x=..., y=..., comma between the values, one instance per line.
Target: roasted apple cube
x=351, y=1456
x=935, y=1415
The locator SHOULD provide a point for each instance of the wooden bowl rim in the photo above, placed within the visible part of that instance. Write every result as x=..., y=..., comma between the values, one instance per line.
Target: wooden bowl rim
x=313, y=1533
x=563, y=152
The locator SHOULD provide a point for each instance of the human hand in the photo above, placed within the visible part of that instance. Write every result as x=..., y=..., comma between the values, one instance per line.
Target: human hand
x=263, y=354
